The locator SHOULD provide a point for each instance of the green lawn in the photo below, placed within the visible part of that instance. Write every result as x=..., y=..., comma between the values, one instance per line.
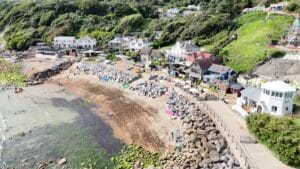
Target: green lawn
x=297, y=121
x=11, y=74
x=255, y=33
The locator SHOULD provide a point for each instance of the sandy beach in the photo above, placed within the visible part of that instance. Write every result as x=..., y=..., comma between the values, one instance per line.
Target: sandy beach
x=135, y=119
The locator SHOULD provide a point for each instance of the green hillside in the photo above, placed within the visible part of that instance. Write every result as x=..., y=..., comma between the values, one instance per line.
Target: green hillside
x=32, y=21
x=255, y=34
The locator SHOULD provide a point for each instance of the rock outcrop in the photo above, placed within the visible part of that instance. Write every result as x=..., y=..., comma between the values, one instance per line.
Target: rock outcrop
x=59, y=66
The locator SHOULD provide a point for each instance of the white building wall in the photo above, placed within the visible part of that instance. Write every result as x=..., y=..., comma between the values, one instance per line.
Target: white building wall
x=86, y=43
x=71, y=42
x=282, y=103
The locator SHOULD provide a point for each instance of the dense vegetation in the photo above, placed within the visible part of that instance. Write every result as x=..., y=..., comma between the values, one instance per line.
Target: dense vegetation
x=31, y=21
x=280, y=134
x=10, y=74
x=133, y=154
x=294, y=6
x=256, y=33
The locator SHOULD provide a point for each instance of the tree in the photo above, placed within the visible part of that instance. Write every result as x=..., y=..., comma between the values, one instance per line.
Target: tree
x=131, y=23
x=92, y=7
x=19, y=41
x=280, y=134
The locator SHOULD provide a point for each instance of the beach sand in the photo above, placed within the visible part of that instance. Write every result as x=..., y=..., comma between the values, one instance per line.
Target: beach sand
x=135, y=119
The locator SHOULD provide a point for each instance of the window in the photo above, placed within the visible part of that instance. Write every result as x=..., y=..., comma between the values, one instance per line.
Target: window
x=277, y=94
x=274, y=109
x=280, y=95
x=273, y=93
x=287, y=109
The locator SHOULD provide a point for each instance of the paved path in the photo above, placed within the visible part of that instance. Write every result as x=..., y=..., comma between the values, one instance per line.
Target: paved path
x=258, y=153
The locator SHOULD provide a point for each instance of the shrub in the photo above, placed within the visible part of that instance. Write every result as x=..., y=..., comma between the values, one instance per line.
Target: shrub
x=280, y=134
x=277, y=54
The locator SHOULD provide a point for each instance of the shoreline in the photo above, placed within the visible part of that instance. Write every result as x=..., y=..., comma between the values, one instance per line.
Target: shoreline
x=47, y=123
x=134, y=121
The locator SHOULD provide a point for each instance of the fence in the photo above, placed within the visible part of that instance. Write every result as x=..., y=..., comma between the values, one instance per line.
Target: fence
x=247, y=162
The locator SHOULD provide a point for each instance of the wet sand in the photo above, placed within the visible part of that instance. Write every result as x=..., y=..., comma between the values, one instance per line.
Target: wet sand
x=135, y=119
x=45, y=123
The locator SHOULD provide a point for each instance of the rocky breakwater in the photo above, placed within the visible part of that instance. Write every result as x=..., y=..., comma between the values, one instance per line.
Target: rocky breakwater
x=150, y=89
x=57, y=67
x=108, y=73
x=199, y=144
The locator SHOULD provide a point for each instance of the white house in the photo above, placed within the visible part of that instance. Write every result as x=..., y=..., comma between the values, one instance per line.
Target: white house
x=120, y=42
x=64, y=42
x=138, y=44
x=86, y=42
x=278, y=7
x=172, y=12
x=274, y=97
x=72, y=42
x=181, y=50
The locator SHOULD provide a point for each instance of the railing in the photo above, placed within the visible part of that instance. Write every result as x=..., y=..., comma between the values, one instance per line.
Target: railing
x=248, y=162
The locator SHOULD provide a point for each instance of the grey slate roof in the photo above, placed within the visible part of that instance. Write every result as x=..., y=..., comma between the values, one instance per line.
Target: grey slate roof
x=204, y=63
x=218, y=68
x=149, y=51
x=188, y=45
x=251, y=93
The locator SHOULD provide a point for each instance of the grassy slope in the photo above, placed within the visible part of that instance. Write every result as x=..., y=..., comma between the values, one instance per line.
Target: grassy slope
x=10, y=74
x=254, y=35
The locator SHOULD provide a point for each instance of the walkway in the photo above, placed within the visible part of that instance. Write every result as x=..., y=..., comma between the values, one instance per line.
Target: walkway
x=257, y=153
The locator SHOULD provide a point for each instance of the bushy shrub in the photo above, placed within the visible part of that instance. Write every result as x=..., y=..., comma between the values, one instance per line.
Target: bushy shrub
x=280, y=134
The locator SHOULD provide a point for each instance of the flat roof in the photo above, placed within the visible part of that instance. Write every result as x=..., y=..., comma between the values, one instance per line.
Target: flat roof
x=278, y=86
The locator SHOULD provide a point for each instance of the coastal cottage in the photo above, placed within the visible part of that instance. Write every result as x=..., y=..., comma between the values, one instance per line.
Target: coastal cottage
x=199, y=67
x=86, y=42
x=191, y=57
x=138, y=44
x=230, y=87
x=64, y=42
x=120, y=43
x=219, y=72
x=148, y=54
x=278, y=7
x=71, y=42
x=180, y=51
x=274, y=97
